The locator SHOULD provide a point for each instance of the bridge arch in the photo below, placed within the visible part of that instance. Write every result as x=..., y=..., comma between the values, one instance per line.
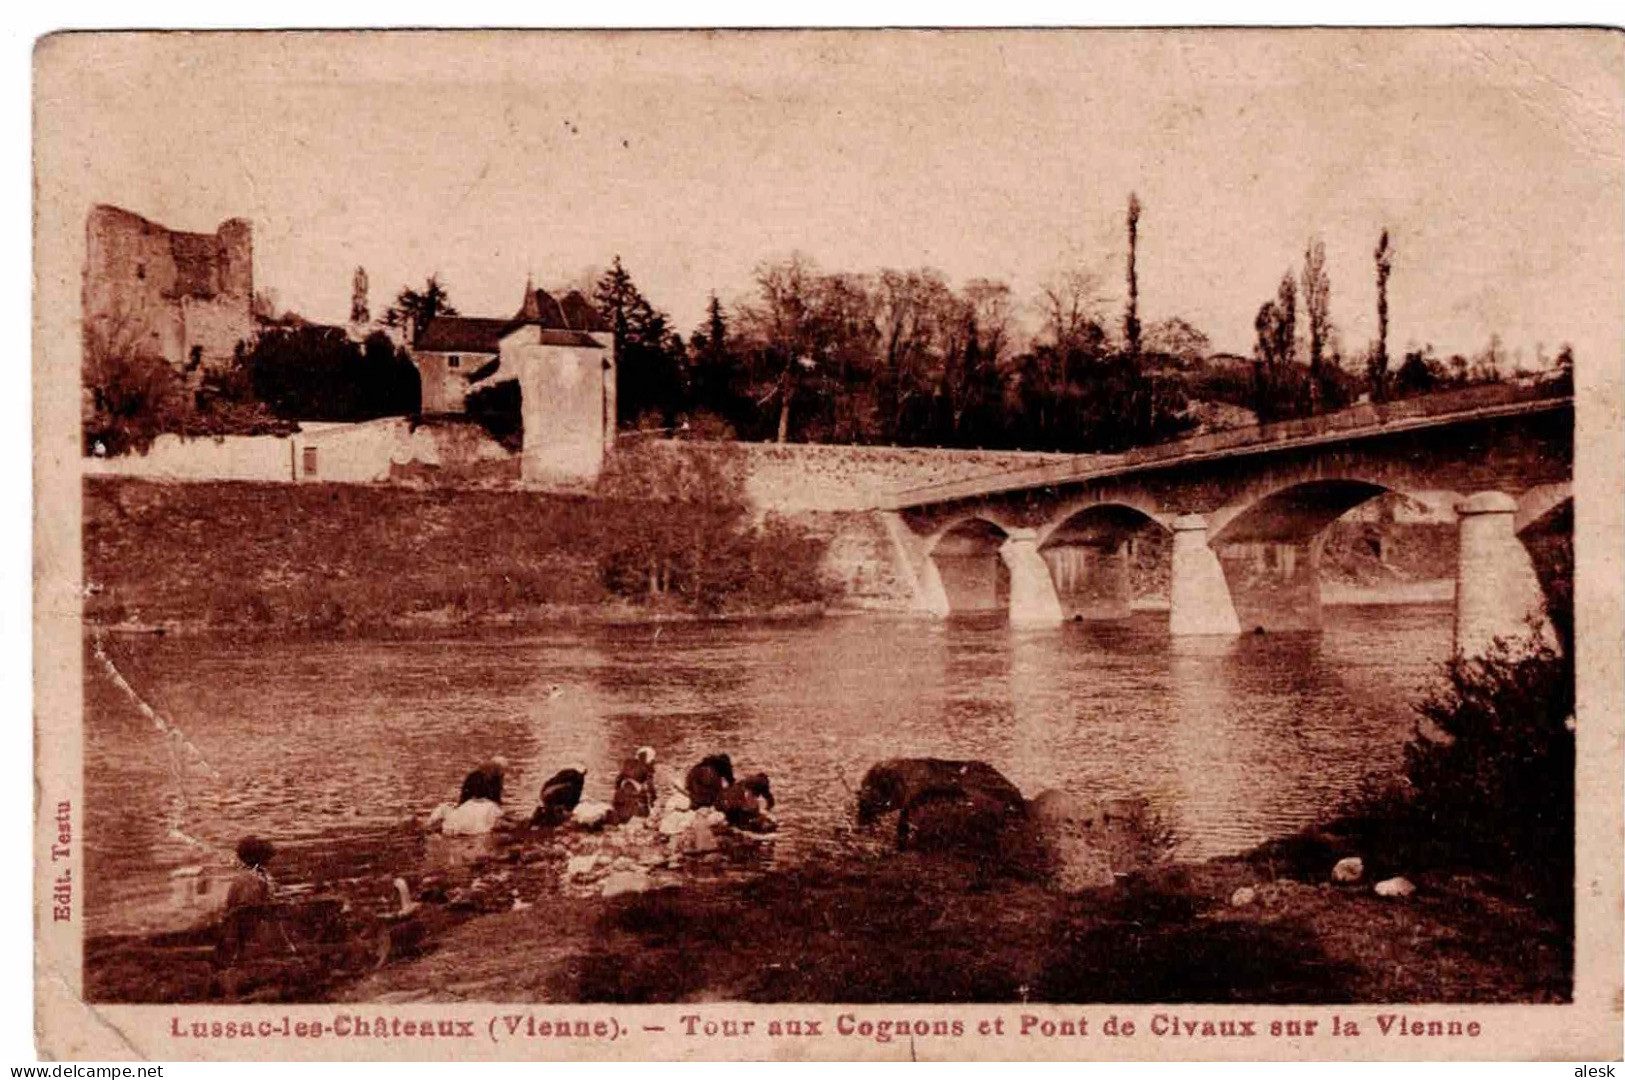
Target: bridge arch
x=1126, y=506
x=1270, y=547
x=1294, y=513
x=1096, y=552
x=966, y=559
x=1537, y=506
x=1544, y=522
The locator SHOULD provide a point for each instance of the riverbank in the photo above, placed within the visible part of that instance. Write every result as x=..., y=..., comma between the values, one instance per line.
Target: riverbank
x=901, y=931
x=354, y=558
x=450, y=621
x=866, y=925
x=909, y=927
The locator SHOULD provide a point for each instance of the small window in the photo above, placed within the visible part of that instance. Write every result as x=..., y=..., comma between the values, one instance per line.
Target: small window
x=454, y=361
x=141, y=271
x=310, y=461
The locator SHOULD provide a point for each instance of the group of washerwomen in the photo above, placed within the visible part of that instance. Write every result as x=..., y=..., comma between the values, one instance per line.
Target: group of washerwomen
x=746, y=802
x=978, y=802
x=937, y=802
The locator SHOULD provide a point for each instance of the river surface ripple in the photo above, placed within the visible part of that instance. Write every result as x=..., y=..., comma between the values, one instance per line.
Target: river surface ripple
x=327, y=743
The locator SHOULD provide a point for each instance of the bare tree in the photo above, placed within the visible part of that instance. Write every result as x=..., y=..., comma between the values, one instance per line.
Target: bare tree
x=991, y=307
x=130, y=394
x=783, y=320
x=910, y=307
x=1070, y=303
x=844, y=335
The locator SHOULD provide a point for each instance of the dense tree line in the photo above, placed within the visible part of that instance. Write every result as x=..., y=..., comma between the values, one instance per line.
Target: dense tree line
x=902, y=357
x=894, y=357
x=889, y=357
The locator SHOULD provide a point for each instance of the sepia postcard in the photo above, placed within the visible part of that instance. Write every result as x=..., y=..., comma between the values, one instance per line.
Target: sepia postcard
x=907, y=544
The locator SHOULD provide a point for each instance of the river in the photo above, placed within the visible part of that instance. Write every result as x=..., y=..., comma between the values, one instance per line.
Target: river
x=329, y=745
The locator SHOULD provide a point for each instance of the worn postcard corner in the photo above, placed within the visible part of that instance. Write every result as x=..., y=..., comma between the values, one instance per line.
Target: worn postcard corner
x=996, y=544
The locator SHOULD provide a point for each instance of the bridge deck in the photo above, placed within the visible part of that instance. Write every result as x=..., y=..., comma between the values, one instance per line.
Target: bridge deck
x=1359, y=422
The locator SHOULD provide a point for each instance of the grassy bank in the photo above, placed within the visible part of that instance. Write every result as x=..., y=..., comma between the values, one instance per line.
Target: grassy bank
x=910, y=929
x=345, y=557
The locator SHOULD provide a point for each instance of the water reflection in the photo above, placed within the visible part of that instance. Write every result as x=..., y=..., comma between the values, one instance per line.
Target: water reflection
x=317, y=743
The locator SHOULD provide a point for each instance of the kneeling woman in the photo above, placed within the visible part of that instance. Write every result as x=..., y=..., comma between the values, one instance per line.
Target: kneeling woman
x=707, y=781
x=560, y=796
x=746, y=804
x=635, y=787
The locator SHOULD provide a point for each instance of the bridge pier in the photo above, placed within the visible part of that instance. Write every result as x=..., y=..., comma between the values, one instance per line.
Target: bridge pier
x=930, y=595
x=1199, y=597
x=912, y=561
x=1497, y=591
x=1032, y=591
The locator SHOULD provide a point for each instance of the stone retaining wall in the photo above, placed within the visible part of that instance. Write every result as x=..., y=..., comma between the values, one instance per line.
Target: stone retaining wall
x=801, y=477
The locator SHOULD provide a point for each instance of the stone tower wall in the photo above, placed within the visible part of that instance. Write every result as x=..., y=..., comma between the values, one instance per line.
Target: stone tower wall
x=185, y=296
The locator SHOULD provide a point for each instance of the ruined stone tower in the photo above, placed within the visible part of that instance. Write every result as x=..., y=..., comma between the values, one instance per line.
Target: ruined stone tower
x=187, y=297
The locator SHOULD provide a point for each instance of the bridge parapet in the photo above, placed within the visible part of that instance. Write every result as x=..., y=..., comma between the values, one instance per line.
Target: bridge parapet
x=1359, y=422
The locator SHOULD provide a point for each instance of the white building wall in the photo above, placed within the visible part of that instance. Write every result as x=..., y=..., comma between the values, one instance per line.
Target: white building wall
x=317, y=453
x=231, y=457
x=564, y=404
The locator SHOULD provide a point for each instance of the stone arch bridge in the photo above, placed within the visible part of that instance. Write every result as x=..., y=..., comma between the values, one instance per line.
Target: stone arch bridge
x=1248, y=511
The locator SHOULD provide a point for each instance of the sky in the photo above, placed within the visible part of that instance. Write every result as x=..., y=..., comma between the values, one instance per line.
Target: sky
x=1493, y=157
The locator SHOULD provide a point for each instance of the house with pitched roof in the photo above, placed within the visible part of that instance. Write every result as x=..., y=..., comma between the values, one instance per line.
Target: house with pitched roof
x=561, y=353
x=447, y=352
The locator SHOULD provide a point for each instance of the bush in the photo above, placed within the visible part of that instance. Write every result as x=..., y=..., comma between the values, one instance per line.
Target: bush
x=675, y=529
x=314, y=372
x=786, y=565
x=705, y=426
x=1289, y=391
x=1498, y=779
x=496, y=408
x=1489, y=779
x=131, y=395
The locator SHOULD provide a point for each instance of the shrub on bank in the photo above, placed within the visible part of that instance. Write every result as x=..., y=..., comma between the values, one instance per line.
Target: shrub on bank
x=677, y=531
x=1489, y=779
x=1499, y=782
